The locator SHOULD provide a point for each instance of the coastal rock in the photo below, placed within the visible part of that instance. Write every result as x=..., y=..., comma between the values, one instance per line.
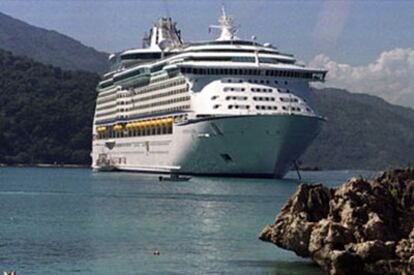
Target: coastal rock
x=294, y=224
x=361, y=227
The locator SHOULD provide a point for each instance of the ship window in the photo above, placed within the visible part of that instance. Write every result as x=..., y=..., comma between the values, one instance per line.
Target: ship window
x=230, y=107
x=286, y=82
x=216, y=106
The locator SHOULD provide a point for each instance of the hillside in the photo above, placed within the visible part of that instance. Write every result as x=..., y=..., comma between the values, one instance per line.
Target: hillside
x=45, y=112
x=362, y=132
x=49, y=47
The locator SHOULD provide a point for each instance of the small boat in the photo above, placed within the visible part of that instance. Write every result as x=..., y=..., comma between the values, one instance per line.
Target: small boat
x=173, y=177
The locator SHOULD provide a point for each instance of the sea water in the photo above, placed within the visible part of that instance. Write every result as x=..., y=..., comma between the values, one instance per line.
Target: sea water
x=63, y=221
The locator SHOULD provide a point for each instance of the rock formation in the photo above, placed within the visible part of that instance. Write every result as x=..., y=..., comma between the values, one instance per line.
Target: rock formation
x=361, y=227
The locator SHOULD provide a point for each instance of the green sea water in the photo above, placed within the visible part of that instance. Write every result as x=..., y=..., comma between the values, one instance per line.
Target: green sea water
x=75, y=221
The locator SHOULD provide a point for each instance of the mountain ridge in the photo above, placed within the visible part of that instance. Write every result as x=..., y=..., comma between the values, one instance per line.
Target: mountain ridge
x=49, y=46
x=362, y=131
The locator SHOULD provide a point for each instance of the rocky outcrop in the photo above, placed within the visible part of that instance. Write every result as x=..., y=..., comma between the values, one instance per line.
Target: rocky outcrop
x=361, y=227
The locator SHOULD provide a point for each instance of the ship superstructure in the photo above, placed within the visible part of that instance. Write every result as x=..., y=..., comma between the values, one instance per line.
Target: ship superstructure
x=223, y=107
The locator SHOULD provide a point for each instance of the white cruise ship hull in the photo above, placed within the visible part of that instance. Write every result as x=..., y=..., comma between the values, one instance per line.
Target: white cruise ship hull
x=251, y=146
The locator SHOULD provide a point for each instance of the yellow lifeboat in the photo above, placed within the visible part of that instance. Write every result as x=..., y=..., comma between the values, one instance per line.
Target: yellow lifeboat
x=118, y=127
x=100, y=129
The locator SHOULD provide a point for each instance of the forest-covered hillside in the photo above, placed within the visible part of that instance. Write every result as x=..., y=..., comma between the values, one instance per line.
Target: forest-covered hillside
x=361, y=132
x=45, y=112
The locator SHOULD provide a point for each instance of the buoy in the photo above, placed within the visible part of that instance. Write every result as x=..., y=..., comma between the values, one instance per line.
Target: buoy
x=156, y=252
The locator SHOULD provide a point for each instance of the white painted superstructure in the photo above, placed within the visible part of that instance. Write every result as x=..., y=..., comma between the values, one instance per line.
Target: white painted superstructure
x=224, y=107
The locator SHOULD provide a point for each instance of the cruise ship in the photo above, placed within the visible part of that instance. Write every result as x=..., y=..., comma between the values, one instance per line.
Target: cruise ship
x=227, y=107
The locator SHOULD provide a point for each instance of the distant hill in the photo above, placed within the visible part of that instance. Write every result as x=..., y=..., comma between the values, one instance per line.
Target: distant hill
x=362, y=132
x=45, y=113
x=49, y=47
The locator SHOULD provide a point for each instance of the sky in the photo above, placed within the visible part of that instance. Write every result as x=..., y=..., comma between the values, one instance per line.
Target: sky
x=368, y=46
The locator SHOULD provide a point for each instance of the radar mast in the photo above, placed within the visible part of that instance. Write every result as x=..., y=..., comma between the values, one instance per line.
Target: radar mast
x=227, y=27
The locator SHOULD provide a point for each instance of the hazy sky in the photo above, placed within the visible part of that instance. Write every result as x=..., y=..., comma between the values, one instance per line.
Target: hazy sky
x=358, y=40
x=349, y=31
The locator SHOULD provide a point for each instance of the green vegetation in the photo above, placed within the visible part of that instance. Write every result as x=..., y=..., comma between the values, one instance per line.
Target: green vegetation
x=45, y=113
x=362, y=132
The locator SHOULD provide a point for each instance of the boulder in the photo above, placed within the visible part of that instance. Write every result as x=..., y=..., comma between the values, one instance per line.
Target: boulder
x=361, y=227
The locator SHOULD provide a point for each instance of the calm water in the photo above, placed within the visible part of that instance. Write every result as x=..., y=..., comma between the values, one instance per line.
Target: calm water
x=59, y=221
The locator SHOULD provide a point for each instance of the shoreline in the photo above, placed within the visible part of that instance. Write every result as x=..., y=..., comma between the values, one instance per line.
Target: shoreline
x=46, y=165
